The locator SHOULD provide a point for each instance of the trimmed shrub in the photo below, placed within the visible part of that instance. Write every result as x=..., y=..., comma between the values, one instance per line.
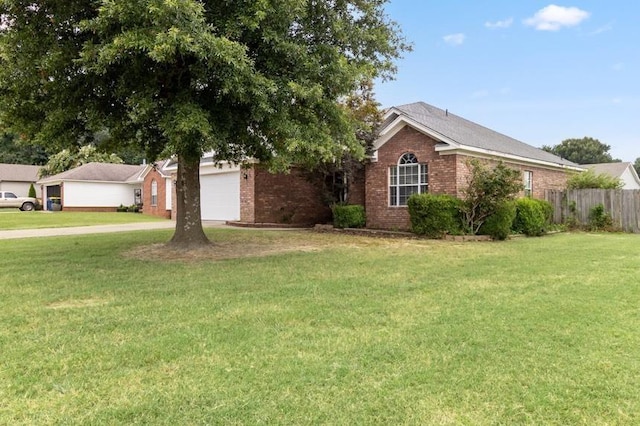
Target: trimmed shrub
x=32, y=191
x=532, y=216
x=349, y=216
x=498, y=225
x=435, y=215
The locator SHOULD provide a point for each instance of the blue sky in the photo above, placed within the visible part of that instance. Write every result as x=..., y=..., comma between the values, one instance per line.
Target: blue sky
x=538, y=71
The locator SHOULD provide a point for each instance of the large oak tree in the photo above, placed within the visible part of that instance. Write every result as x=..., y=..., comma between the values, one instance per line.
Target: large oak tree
x=257, y=79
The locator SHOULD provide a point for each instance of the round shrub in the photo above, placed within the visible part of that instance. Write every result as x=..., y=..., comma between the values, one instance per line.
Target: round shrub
x=349, y=216
x=532, y=216
x=498, y=225
x=435, y=215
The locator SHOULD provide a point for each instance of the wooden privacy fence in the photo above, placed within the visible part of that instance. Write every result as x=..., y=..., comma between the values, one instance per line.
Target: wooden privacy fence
x=575, y=204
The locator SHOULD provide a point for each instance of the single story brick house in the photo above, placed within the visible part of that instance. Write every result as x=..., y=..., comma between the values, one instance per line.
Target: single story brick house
x=420, y=148
x=423, y=148
x=18, y=178
x=99, y=187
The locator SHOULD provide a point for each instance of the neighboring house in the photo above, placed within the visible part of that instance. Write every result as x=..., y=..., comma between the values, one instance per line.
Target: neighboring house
x=95, y=187
x=157, y=190
x=423, y=148
x=623, y=171
x=17, y=178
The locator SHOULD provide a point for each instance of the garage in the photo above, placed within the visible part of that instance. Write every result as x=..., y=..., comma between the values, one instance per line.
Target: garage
x=220, y=195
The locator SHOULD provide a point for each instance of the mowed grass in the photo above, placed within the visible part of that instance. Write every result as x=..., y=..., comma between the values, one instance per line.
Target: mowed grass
x=347, y=330
x=15, y=219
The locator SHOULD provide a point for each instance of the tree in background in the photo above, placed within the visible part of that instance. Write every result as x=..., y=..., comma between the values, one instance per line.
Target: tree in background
x=636, y=165
x=14, y=151
x=582, y=151
x=246, y=79
x=589, y=179
x=68, y=159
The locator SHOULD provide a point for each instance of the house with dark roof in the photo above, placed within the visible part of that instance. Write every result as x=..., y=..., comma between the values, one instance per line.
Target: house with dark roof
x=17, y=178
x=623, y=171
x=95, y=187
x=422, y=148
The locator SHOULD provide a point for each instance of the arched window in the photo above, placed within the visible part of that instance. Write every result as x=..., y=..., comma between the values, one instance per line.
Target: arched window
x=154, y=193
x=407, y=178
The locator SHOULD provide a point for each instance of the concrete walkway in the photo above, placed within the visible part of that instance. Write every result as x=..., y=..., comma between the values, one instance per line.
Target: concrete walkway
x=95, y=229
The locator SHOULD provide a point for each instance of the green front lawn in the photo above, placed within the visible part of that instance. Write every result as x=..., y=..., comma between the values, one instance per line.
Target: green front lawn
x=320, y=329
x=15, y=219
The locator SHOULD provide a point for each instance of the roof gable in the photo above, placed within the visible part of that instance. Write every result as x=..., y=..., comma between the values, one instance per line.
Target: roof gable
x=459, y=133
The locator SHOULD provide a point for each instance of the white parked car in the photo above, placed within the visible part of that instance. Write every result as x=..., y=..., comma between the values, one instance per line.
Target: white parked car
x=9, y=199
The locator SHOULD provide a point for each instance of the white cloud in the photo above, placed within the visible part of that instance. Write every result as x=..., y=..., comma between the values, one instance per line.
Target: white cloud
x=454, y=39
x=602, y=29
x=554, y=18
x=499, y=24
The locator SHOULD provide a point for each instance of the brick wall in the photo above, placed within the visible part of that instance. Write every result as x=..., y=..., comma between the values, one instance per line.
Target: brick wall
x=442, y=177
x=160, y=209
x=290, y=198
x=447, y=175
x=247, y=195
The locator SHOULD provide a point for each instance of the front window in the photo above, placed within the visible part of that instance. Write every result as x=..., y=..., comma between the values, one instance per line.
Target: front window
x=154, y=193
x=528, y=183
x=407, y=178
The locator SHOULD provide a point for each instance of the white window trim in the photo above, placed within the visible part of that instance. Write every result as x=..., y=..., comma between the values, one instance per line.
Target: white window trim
x=154, y=193
x=422, y=184
x=528, y=183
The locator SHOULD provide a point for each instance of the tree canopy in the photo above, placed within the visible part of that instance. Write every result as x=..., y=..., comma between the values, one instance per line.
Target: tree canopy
x=585, y=150
x=70, y=158
x=591, y=179
x=13, y=151
x=260, y=79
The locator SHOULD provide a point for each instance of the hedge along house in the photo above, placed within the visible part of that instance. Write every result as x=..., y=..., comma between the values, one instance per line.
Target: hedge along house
x=98, y=187
x=422, y=148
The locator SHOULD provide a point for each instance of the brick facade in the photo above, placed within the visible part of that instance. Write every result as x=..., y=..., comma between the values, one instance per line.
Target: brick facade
x=288, y=198
x=160, y=208
x=447, y=175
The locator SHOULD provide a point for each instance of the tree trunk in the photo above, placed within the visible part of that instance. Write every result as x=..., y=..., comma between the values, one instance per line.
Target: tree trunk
x=189, y=232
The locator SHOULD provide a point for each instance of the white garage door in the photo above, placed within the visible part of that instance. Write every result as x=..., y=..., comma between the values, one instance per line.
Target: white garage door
x=220, y=196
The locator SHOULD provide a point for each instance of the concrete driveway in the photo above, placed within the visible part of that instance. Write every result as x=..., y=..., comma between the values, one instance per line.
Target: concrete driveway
x=96, y=229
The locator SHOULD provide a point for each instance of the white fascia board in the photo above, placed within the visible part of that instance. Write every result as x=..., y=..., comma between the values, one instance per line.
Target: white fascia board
x=398, y=124
x=485, y=153
x=213, y=168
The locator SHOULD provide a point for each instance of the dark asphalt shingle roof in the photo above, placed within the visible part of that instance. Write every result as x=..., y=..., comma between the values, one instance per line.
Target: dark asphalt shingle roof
x=19, y=172
x=98, y=172
x=468, y=133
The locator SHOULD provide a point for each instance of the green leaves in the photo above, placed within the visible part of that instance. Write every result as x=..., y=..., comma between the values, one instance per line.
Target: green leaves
x=583, y=151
